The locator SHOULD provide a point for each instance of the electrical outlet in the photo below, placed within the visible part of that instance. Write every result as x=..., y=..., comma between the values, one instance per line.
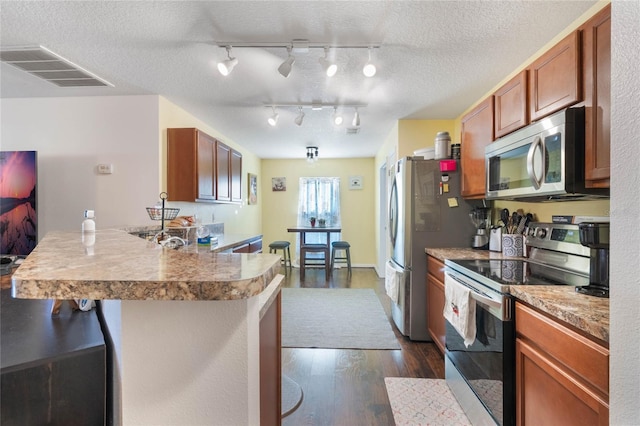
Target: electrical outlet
x=105, y=169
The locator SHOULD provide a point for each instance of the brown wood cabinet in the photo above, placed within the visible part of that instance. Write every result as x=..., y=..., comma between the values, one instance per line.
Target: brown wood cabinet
x=555, y=78
x=562, y=377
x=596, y=50
x=511, y=105
x=253, y=246
x=435, y=301
x=477, y=133
x=201, y=168
x=271, y=365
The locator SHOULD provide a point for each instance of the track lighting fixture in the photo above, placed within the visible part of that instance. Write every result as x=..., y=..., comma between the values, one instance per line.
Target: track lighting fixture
x=285, y=68
x=273, y=119
x=356, y=119
x=329, y=67
x=300, y=117
x=369, y=69
x=337, y=118
x=225, y=67
x=312, y=154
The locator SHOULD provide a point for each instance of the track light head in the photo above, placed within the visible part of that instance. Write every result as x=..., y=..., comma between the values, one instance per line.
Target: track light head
x=356, y=119
x=300, y=117
x=285, y=68
x=329, y=67
x=369, y=69
x=225, y=67
x=273, y=119
x=337, y=118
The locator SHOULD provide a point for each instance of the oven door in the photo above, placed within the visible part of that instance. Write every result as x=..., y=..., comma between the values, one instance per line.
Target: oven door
x=482, y=376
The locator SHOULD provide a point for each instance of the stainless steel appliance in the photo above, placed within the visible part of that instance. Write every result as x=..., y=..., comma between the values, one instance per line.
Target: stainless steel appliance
x=482, y=376
x=595, y=235
x=425, y=210
x=480, y=219
x=541, y=162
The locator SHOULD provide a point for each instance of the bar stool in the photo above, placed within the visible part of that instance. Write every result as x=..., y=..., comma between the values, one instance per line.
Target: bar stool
x=286, y=254
x=314, y=248
x=341, y=245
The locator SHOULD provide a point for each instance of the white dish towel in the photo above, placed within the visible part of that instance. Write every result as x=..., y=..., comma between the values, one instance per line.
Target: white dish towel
x=460, y=309
x=392, y=282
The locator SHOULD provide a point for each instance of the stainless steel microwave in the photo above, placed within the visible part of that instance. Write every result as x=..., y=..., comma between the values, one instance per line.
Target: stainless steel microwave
x=541, y=162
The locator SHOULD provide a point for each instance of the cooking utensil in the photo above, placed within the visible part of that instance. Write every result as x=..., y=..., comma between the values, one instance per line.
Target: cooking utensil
x=521, y=225
x=504, y=217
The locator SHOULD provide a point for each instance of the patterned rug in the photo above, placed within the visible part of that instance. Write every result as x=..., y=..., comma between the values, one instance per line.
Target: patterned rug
x=423, y=402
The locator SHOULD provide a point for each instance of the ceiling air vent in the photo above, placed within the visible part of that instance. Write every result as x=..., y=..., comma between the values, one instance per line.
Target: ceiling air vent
x=43, y=63
x=353, y=130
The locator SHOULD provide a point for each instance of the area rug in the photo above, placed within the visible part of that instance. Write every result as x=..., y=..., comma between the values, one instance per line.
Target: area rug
x=335, y=318
x=423, y=402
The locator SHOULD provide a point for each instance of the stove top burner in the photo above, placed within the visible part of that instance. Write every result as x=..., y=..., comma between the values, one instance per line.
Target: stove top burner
x=499, y=274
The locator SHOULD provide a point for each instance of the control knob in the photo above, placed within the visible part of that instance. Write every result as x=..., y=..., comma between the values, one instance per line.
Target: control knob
x=540, y=233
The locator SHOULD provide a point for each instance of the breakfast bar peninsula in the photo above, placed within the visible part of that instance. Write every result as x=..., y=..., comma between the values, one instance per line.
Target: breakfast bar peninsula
x=193, y=333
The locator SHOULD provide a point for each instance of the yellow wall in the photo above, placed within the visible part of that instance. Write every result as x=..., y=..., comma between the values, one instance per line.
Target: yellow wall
x=238, y=219
x=417, y=134
x=358, y=207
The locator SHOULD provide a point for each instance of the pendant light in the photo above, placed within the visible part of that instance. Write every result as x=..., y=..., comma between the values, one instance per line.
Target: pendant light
x=225, y=67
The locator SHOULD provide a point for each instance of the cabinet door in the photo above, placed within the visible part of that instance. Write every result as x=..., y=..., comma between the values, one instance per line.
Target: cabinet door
x=596, y=42
x=435, y=301
x=244, y=248
x=511, y=106
x=236, y=176
x=555, y=78
x=255, y=246
x=205, y=170
x=223, y=166
x=477, y=133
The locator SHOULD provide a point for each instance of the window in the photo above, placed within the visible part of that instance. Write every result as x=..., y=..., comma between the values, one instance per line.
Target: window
x=319, y=197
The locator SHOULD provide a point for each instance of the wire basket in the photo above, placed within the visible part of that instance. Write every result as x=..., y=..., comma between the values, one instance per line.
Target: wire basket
x=155, y=213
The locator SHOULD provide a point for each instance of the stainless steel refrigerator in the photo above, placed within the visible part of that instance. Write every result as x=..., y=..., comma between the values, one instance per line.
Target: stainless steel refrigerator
x=425, y=210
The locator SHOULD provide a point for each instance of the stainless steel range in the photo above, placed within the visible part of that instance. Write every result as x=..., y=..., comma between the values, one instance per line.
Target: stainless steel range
x=482, y=375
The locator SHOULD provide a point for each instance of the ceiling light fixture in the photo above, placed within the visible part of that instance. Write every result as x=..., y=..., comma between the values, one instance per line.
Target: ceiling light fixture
x=285, y=68
x=337, y=118
x=273, y=119
x=356, y=119
x=225, y=67
x=300, y=117
x=369, y=69
x=312, y=154
x=329, y=67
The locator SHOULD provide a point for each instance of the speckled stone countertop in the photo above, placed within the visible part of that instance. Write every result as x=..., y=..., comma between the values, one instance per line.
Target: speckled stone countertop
x=119, y=266
x=586, y=313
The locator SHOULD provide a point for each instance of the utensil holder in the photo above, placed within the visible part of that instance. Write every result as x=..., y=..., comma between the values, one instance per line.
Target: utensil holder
x=513, y=245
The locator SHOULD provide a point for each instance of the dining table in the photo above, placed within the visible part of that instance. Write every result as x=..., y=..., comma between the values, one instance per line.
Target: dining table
x=304, y=230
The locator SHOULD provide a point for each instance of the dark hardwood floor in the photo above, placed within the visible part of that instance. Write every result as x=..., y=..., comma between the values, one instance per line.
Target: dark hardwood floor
x=346, y=387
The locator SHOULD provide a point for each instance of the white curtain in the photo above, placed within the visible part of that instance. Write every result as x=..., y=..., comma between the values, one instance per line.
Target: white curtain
x=319, y=197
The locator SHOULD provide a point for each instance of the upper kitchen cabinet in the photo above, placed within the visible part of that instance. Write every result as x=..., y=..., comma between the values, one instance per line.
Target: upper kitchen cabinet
x=511, y=105
x=201, y=168
x=596, y=50
x=190, y=165
x=555, y=78
x=477, y=133
x=228, y=173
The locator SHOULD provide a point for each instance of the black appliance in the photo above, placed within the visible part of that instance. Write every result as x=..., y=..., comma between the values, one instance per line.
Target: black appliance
x=482, y=375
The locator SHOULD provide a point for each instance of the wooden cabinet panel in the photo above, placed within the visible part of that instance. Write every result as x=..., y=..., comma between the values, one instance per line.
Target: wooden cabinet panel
x=271, y=365
x=223, y=171
x=190, y=165
x=477, y=133
x=555, y=78
x=236, y=176
x=244, y=248
x=596, y=48
x=255, y=246
x=562, y=377
x=511, y=105
x=435, y=301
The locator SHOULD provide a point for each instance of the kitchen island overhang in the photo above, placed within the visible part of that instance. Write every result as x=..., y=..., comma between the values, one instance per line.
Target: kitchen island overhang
x=184, y=323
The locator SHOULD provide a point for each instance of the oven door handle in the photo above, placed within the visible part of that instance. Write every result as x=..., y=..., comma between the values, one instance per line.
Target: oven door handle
x=478, y=295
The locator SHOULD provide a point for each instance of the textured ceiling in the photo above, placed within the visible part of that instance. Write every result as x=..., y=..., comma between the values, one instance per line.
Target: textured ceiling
x=436, y=59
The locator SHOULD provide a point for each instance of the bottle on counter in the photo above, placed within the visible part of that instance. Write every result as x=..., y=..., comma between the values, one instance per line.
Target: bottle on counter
x=88, y=224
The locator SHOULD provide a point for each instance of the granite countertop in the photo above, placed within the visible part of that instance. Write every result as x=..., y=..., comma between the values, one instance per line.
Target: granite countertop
x=120, y=266
x=586, y=313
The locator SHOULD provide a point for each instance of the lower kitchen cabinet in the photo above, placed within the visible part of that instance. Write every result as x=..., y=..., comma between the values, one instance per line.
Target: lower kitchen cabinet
x=253, y=246
x=435, y=301
x=562, y=377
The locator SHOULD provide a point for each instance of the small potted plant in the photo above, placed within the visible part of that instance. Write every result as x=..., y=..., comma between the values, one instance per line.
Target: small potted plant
x=312, y=219
x=322, y=223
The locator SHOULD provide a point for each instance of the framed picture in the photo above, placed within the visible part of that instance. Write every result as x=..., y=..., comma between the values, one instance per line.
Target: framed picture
x=355, y=182
x=253, y=188
x=279, y=184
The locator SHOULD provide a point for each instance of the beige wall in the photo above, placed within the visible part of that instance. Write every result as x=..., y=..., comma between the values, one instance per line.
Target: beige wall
x=358, y=207
x=238, y=219
x=418, y=134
